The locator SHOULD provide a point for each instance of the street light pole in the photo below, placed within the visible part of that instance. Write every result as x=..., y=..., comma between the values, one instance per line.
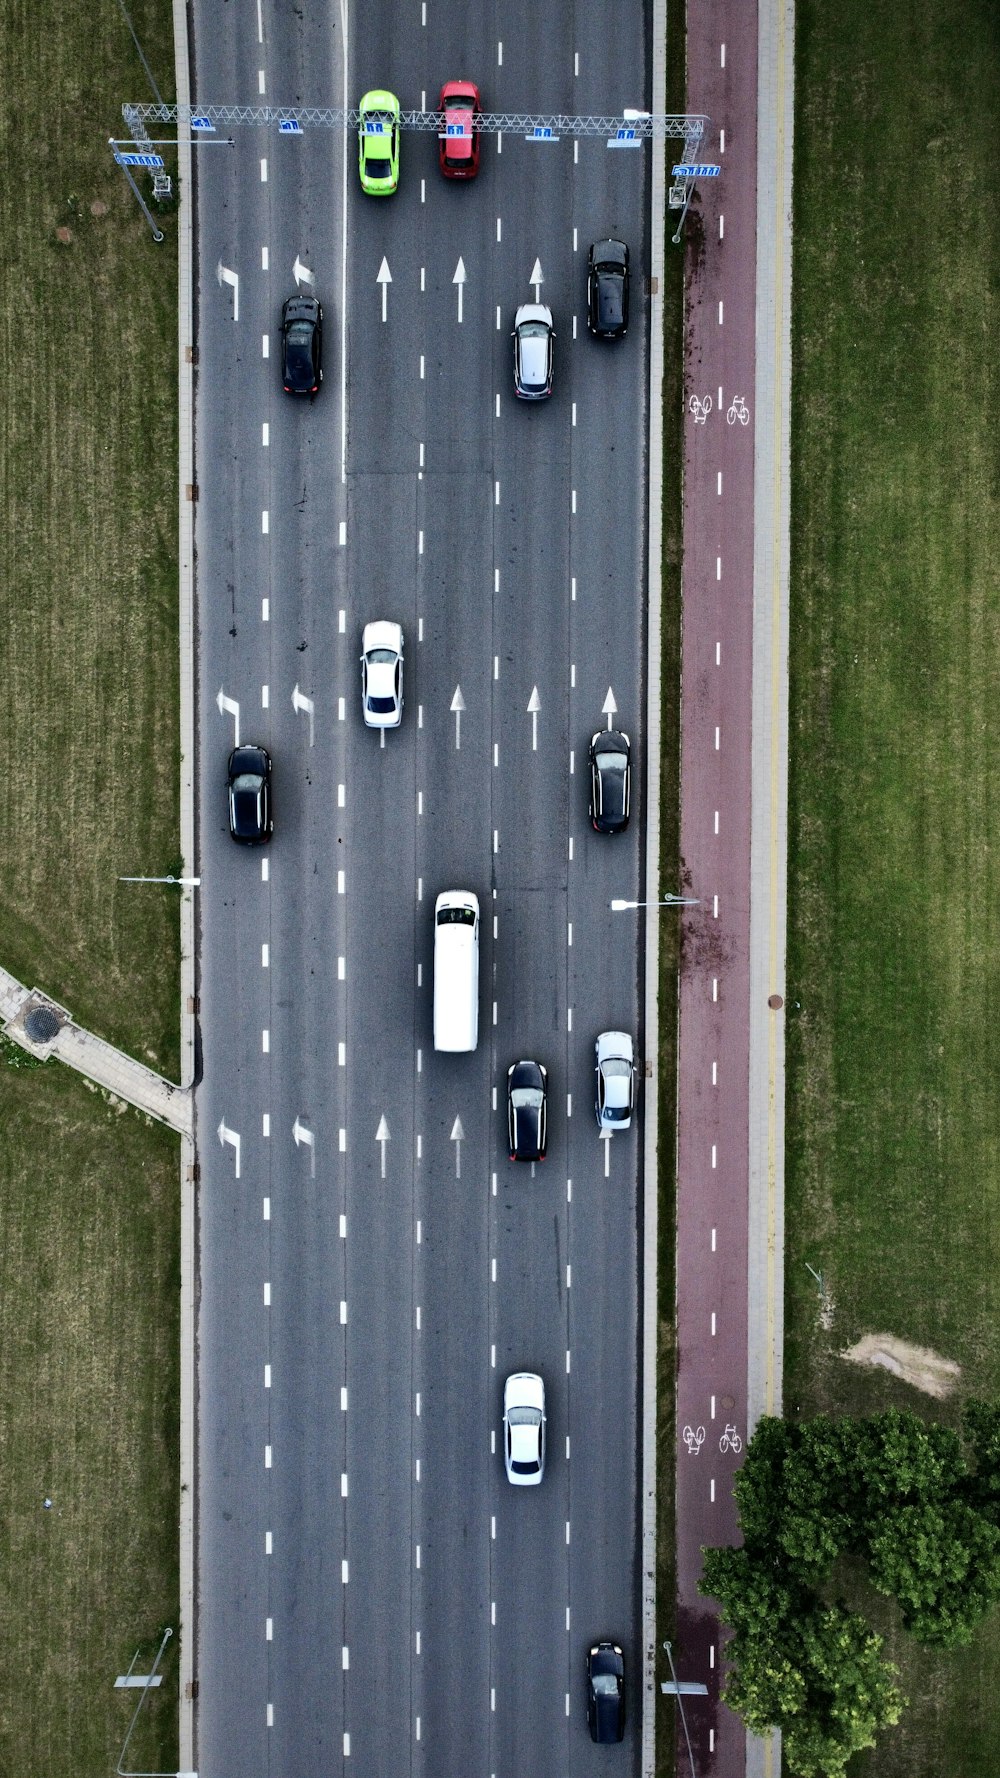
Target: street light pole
x=182, y=882
x=667, y=901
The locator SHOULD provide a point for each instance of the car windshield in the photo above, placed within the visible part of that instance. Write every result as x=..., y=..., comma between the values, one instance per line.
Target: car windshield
x=381, y=656
x=378, y=167
x=523, y=1417
x=605, y=1685
x=533, y=330
x=613, y=762
x=247, y=784
x=527, y=1098
x=381, y=706
x=456, y=917
x=615, y=1069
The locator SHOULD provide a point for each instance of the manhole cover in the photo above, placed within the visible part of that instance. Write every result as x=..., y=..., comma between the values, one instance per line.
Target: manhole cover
x=41, y=1025
x=775, y=1002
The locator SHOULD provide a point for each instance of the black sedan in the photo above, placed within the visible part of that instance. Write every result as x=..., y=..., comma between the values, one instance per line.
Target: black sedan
x=250, y=795
x=607, y=290
x=527, y=1091
x=610, y=780
x=605, y=1692
x=302, y=345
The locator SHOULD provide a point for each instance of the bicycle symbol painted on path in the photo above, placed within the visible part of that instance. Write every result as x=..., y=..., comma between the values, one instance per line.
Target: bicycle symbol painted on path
x=730, y=1441
x=700, y=406
x=738, y=410
x=693, y=1439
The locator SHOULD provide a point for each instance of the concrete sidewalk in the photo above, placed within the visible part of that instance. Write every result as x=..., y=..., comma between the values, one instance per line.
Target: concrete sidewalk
x=44, y=1029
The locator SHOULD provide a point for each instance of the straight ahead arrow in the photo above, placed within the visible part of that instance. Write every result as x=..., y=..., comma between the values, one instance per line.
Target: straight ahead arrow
x=385, y=279
x=459, y=279
x=458, y=705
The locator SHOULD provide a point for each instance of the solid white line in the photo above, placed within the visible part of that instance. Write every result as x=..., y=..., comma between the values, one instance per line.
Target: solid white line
x=720, y=311
x=266, y=1124
x=265, y=618
x=267, y=1376
x=722, y=141
x=265, y=432
x=722, y=62
x=265, y=1041
x=267, y=1294
x=260, y=81
x=263, y=171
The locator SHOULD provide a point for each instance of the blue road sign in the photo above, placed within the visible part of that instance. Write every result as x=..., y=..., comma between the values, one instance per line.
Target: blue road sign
x=202, y=123
x=542, y=132
x=289, y=126
x=139, y=160
x=625, y=138
x=697, y=170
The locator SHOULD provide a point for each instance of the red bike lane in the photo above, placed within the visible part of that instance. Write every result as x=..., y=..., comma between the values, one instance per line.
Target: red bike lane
x=716, y=686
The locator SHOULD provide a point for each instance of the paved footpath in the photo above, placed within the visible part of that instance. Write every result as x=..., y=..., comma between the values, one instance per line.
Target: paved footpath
x=733, y=788
x=45, y=1029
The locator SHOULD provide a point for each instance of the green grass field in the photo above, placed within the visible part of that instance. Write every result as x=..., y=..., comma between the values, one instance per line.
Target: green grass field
x=88, y=477
x=893, y=1157
x=89, y=1386
x=88, y=665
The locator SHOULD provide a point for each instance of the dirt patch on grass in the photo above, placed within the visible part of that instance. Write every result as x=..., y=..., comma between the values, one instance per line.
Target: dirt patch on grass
x=916, y=1365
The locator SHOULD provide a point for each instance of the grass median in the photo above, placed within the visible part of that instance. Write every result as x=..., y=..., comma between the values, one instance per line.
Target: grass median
x=893, y=1117
x=88, y=666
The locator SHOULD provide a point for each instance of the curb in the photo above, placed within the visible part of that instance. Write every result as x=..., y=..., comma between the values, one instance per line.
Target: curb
x=188, y=1174
x=650, y=1318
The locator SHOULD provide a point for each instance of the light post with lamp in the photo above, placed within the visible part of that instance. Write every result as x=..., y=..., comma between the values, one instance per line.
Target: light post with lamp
x=618, y=906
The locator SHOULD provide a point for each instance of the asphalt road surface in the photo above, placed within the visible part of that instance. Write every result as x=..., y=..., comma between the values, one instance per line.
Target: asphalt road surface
x=372, y=1594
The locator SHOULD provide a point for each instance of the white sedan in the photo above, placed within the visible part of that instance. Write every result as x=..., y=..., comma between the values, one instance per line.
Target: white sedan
x=524, y=1428
x=615, y=1080
x=382, y=674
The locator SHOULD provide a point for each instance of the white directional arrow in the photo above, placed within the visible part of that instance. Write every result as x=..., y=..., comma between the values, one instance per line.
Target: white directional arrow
x=301, y=273
x=534, y=705
x=231, y=1137
x=458, y=705
x=537, y=279
x=385, y=279
x=382, y=1136
x=459, y=279
x=606, y=1139
x=229, y=704
x=225, y=276
x=458, y=1137
x=609, y=708
x=301, y=702
x=302, y=1134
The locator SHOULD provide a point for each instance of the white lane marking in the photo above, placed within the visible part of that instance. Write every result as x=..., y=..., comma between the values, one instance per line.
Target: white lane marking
x=567, y=1531
x=423, y=197
x=714, y=1156
x=264, y=697
x=569, y=1105
x=569, y=933
x=719, y=487
x=343, y=1485
x=720, y=311
x=343, y=1313
x=572, y=675
x=345, y=1659
x=567, y=1361
x=265, y=345
x=718, y=654
x=576, y=63
x=263, y=170
x=420, y=629
x=499, y=141
x=265, y=1041
x=574, y=413
x=265, y=434
x=421, y=367
x=722, y=53
x=263, y=259
x=341, y=968
x=344, y=1571
x=420, y=1231
x=711, y=1489
x=267, y=1456
x=421, y=453
x=496, y=571
x=343, y=1228
x=715, y=1074
x=265, y=611
x=269, y=1629
x=716, y=820
x=715, y=987
x=347, y=1738
x=267, y=1376
x=260, y=81
x=576, y=152
x=343, y=540
x=574, y=327
x=420, y=888
x=265, y=870
x=420, y=803
x=572, y=588
x=268, y=1544
x=498, y=405
x=267, y=1209
x=267, y=1295
x=417, y=1555
x=498, y=317
x=569, y=1018
x=342, y=1141
x=494, y=1012
x=711, y=1410
x=340, y=882
x=713, y=1240
x=498, y=228
x=718, y=567
x=713, y=1324
x=341, y=795
x=721, y=228
x=496, y=493
x=265, y=956
x=265, y=523
x=420, y=543
x=715, y=907
x=571, y=847
x=572, y=762
x=266, y=1124
x=717, y=739
x=496, y=839
x=574, y=240
x=499, y=55
x=722, y=141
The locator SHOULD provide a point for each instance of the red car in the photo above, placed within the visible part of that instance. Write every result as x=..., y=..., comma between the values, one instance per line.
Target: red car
x=458, y=145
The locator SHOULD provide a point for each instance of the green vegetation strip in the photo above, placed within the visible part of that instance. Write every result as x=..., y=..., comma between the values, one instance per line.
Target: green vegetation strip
x=89, y=1386
x=88, y=456
x=893, y=1182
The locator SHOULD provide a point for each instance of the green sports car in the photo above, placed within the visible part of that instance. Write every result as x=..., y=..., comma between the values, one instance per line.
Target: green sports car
x=378, y=143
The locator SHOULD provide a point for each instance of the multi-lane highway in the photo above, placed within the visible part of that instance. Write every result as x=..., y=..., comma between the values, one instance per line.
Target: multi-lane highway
x=372, y=1594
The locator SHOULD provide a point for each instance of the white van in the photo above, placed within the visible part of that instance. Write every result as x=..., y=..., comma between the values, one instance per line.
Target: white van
x=456, y=970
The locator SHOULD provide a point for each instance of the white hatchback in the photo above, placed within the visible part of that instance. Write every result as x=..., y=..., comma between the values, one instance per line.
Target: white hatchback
x=524, y=1428
x=615, y=1069
x=382, y=674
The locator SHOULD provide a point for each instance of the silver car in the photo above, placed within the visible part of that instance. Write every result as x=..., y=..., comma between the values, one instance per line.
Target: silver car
x=382, y=674
x=615, y=1080
x=533, y=336
x=524, y=1428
